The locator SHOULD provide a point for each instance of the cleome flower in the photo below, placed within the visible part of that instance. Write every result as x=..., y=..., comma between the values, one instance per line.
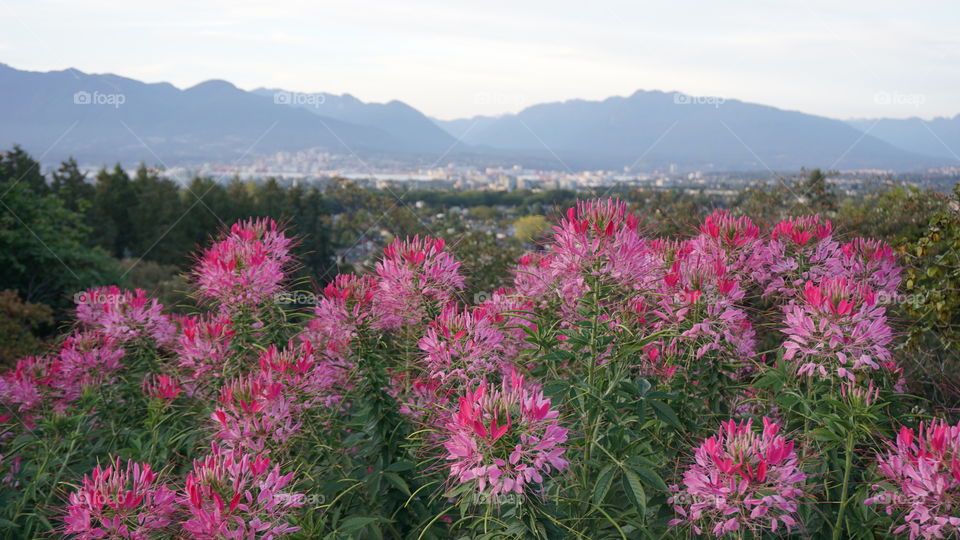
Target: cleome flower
x=921, y=481
x=203, y=346
x=124, y=315
x=416, y=278
x=120, y=502
x=836, y=328
x=504, y=440
x=345, y=307
x=85, y=360
x=246, y=267
x=800, y=249
x=232, y=494
x=162, y=387
x=463, y=345
x=740, y=480
x=254, y=413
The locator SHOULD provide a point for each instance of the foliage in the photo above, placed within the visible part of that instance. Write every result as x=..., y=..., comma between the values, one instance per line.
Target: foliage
x=19, y=323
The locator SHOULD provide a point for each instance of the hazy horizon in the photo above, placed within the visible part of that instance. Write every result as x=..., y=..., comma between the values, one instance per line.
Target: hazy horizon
x=857, y=60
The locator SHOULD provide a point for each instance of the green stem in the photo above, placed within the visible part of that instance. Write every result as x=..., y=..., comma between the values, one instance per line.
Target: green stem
x=847, y=465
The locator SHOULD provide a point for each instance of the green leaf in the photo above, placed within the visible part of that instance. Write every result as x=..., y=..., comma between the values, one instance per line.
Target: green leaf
x=665, y=413
x=400, y=466
x=652, y=478
x=397, y=482
x=634, y=489
x=354, y=524
x=603, y=484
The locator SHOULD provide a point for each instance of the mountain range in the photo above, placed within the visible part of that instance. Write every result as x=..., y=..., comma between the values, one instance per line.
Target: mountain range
x=104, y=118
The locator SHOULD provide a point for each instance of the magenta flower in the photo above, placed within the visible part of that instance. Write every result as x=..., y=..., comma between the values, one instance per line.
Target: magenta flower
x=246, y=266
x=735, y=242
x=307, y=379
x=86, y=360
x=118, y=502
x=231, y=494
x=162, y=387
x=505, y=440
x=870, y=262
x=345, y=307
x=800, y=249
x=203, y=346
x=463, y=346
x=124, y=315
x=254, y=413
x=921, y=481
x=510, y=314
x=417, y=277
x=740, y=480
x=837, y=329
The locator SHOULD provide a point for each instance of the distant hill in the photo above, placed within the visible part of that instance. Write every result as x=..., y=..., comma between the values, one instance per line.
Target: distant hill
x=127, y=120
x=108, y=118
x=395, y=118
x=654, y=129
x=938, y=137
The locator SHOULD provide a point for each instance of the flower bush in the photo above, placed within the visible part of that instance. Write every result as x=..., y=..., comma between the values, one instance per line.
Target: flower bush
x=561, y=406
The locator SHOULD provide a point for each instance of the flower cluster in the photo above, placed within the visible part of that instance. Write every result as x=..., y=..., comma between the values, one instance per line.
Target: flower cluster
x=86, y=360
x=462, y=345
x=345, y=308
x=254, y=413
x=203, y=346
x=837, y=329
x=741, y=480
x=232, y=494
x=799, y=250
x=246, y=266
x=921, y=473
x=124, y=315
x=416, y=278
x=504, y=440
x=120, y=502
x=162, y=387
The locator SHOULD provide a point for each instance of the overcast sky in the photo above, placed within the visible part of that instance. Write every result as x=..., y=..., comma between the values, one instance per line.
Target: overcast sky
x=454, y=59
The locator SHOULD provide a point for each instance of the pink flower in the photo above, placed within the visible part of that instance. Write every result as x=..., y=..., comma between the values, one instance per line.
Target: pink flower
x=345, y=308
x=921, y=481
x=162, y=387
x=504, y=440
x=416, y=278
x=800, y=249
x=255, y=413
x=246, y=266
x=870, y=262
x=740, y=480
x=232, y=494
x=203, y=346
x=118, y=502
x=86, y=360
x=462, y=345
x=838, y=330
x=124, y=316
x=307, y=379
